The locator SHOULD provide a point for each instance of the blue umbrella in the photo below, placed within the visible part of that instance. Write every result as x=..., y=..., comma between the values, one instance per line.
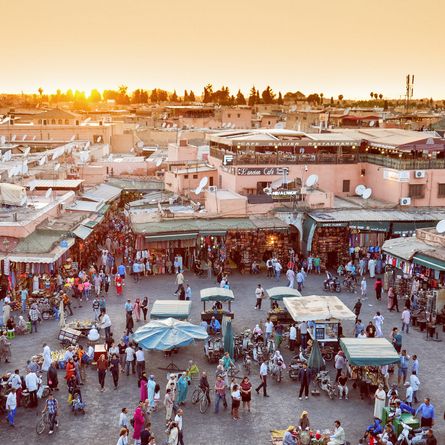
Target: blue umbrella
x=168, y=334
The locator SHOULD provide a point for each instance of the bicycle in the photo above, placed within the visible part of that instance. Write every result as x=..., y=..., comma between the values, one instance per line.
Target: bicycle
x=200, y=396
x=43, y=423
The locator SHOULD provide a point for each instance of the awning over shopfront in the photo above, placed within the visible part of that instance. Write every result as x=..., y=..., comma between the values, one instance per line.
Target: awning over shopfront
x=405, y=248
x=408, y=228
x=44, y=257
x=372, y=226
x=82, y=232
x=212, y=232
x=103, y=192
x=217, y=294
x=317, y=308
x=432, y=263
x=171, y=237
x=369, y=351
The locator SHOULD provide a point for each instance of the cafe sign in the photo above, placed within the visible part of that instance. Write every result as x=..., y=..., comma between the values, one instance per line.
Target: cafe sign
x=396, y=175
x=262, y=171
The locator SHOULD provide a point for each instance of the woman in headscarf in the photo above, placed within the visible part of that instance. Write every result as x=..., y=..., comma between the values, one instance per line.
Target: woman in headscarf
x=22, y=327
x=137, y=309
x=119, y=282
x=143, y=393
x=182, y=388
x=70, y=370
x=46, y=357
x=151, y=384
x=5, y=348
x=139, y=421
x=51, y=377
x=379, y=404
x=304, y=421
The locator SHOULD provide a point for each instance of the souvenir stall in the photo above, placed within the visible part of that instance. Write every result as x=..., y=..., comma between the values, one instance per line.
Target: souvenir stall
x=323, y=313
x=217, y=295
x=279, y=313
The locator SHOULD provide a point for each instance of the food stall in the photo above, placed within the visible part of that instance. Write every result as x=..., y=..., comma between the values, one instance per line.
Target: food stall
x=323, y=313
x=218, y=295
x=278, y=313
x=178, y=309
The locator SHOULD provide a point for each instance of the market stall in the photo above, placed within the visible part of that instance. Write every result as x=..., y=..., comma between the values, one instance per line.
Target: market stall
x=177, y=309
x=218, y=295
x=278, y=313
x=324, y=314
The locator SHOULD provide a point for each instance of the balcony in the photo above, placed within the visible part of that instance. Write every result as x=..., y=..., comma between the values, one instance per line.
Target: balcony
x=402, y=164
x=282, y=158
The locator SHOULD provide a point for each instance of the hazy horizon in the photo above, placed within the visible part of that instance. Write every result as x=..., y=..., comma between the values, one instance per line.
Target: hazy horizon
x=344, y=47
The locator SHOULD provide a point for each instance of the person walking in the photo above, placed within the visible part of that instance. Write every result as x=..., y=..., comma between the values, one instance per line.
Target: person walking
x=304, y=375
x=168, y=404
x=179, y=422
x=406, y=319
x=357, y=308
x=138, y=424
x=180, y=281
x=380, y=399
x=123, y=437
x=114, y=368
x=300, y=280
x=378, y=285
x=290, y=275
x=427, y=413
x=246, y=393
x=363, y=288
x=46, y=357
x=259, y=295
x=396, y=338
x=11, y=406
x=340, y=364
x=144, y=307
x=130, y=360
x=292, y=336
x=140, y=362
x=277, y=268
x=415, y=385
x=32, y=385
x=105, y=323
x=403, y=367
x=378, y=320
x=220, y=393
x=303, y=333
x=34, y=316
x=102, y=366
x=236, y=401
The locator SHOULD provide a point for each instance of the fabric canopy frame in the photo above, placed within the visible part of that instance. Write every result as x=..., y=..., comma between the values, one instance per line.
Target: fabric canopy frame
x=168, y=334
x=369, y=351
x=318, y=308
x=178, y=309
x=279, y=292
x=217, y=294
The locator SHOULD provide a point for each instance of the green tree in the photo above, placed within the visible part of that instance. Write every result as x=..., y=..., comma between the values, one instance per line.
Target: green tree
x=321, y=98
x=162, y=95
x=139, y=96
x=340, y=98
x=186, y=96
x=40, y=90
x=371, y=94
x=331, y=101
x=252, y=97
x=192, y=96
x=154, y=96
x=314, y=99
x=174, y=97
x=380, y=96
x=240, y=99
x=268, y=95
x=122, y=97
x=95, y=96
x=69, y=96
x=110, y=95
x=280, y=100
x=207, y=94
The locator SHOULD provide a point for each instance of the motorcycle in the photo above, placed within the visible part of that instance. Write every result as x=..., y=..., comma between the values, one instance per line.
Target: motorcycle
x=409, y=436
x=43, y=392
x=324, y=383
x=294, y=367
x=332, y=285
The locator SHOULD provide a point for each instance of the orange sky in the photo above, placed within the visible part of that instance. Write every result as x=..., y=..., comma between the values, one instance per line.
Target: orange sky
x=348, y=47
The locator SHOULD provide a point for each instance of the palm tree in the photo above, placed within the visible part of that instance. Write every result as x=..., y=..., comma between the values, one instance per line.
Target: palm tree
x=380, y=96
x=321, y=98
x=372, y=94
x=340, y=97
x=40, y=90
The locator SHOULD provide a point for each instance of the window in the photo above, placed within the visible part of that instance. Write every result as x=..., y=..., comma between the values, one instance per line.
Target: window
x=186, y=176
x=346, y=185
x=66, y=122
x=417, y=190
x=238, y=115
x=53, y=122
x=229, y=115
x=60, y=122
x=195, y=176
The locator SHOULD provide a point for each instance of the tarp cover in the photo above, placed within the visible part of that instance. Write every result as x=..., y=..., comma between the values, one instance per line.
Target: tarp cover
x=11, y=194
x=164, y=335
x=317, y=308
x=217, y=294
x=369, y=351
x=171, y=308
x=280, y=292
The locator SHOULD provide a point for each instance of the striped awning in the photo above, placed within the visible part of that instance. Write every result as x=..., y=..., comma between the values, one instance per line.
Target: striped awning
x=427, y=261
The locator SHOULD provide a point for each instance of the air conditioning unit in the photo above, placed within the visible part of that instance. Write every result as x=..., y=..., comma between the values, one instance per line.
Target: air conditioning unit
x=418, y=174
x=405, y=201
x=213, y=189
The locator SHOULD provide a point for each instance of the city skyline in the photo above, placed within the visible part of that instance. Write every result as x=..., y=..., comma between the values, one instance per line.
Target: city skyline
x=348, y=48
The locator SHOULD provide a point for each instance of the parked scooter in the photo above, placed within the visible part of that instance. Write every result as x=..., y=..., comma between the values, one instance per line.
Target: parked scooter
x=408, y=436
x=324, y=383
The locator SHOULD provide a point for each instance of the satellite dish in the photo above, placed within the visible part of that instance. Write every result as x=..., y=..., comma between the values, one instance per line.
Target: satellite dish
x=13, y=138
x=24, y=137
x=34, y=138
x=32, y=186
x=72, y=138
x=158, y=162
x=2, y=140
x=99, y=139
x=372, y=123
x=56, y=167
x=48, y=193
x=440, y=228
x=87, y=145
x=140, y=144
x=42, y=161
x=359, y=190
x=26, y=152
x=267, y=190
x=311, y=180
x=198, y=190
x=367, y=193
x=87, y=120
x=6, y=119
x=203, y=182
x=7, y=156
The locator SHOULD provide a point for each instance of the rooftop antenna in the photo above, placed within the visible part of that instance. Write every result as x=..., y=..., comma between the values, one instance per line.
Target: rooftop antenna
x=440, y=227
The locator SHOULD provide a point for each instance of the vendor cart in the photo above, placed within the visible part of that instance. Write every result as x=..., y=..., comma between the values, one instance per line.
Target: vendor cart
x=83, y=326
x=69, y=336
x=278, y=313
x=218, y=295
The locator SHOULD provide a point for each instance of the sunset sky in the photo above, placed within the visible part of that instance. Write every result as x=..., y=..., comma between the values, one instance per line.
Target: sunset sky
x=349, y=47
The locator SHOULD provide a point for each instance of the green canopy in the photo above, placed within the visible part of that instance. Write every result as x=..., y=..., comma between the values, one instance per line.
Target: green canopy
x=369, y=351
x=315, y=360
x=178, y=309
x=217, y=294
x=280, y=292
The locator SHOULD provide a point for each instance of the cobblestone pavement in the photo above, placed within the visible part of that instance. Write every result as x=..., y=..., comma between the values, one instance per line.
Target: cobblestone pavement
x=281, y=409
